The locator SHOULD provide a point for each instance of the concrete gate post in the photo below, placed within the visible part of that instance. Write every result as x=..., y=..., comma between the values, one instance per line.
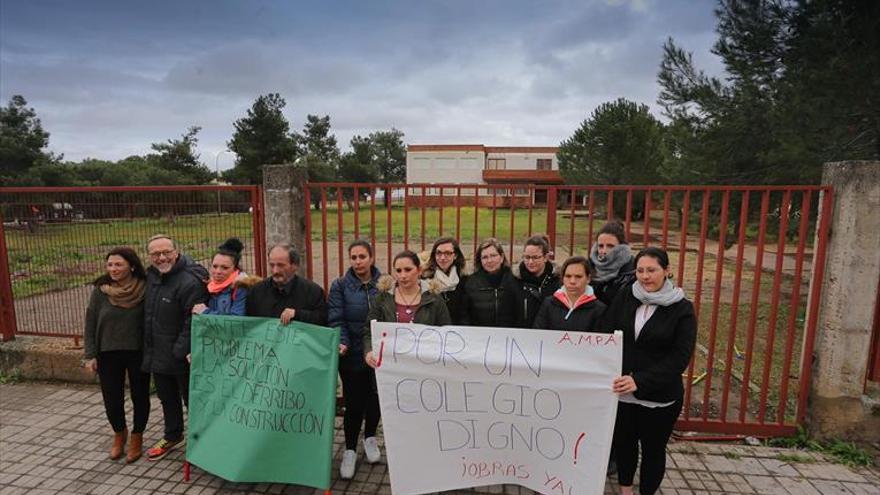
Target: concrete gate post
x=841, y=405
x=285, y=208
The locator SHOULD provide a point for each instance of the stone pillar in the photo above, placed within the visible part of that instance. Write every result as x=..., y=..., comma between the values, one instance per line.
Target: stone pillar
x=284, y=205
x=839, y=405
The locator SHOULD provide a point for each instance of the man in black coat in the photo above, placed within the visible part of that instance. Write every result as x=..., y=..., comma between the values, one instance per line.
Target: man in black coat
x=175, y=283
x=284, y=295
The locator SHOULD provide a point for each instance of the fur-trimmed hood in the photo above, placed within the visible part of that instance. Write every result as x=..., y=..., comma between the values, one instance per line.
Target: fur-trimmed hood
x=245, y=281
x=386, y=283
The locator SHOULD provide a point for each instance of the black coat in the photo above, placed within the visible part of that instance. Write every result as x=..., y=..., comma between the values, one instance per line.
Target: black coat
x=305, y=296
x=168, y=302
x=606, y=291
x=529, y=292
x=486, y=305
x=664, y=348
x=454, y=298
x=585, y=318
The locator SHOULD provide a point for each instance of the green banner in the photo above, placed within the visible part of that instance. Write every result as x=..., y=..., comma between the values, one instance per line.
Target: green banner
x=262, y=399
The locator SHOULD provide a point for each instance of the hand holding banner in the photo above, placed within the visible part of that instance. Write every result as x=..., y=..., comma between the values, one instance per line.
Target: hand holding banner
x=473, y=406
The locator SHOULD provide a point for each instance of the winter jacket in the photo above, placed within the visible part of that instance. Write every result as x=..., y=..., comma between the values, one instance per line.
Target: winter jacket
x=486, y=305
x=111, y=328
x=606, y=291
x=556, y=315
x=305, y=296
x=664, y=347
x=453, y=298
x=168, y=304
x=349, y=303
x=530, y=291
x=431, y=310
x=232, y=300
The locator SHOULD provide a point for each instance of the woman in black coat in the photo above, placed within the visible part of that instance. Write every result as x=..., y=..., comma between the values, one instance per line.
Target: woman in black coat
x=573, y=307
x=613, y=260
x=488, y=296
x=445, y=272
x=659, y=334
x=535, y=279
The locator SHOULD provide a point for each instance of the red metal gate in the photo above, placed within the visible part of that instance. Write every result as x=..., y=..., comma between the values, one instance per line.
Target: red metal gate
x=744, y=255
x=53, y=241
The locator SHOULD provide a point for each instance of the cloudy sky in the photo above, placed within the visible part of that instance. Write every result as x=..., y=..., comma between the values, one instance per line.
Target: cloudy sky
x=108, y=78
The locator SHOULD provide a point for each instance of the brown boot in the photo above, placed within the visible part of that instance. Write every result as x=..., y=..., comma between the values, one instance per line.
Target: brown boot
x=135, y=447
x=118, y=444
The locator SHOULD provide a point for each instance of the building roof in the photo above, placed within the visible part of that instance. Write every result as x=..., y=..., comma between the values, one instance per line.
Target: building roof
x=415, y=148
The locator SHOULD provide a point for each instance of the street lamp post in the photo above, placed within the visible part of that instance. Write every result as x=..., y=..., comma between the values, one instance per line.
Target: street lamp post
x=217, y=171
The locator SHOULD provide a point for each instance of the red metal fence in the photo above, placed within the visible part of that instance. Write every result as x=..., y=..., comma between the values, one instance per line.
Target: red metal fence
x=53, y=241
x=744, y=255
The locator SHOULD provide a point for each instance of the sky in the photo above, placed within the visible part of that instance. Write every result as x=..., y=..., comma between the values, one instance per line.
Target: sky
x=108, y=78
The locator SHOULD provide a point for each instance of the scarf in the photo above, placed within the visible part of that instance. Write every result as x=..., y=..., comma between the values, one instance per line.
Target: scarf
x=447, y=282
x=218, y=287
x=666, y=296
x=609, y=267
x=562, y=296
x=125, y=296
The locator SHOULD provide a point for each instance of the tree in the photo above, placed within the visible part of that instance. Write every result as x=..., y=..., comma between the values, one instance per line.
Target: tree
x=389, y=155
x=800, y=89
x=179, y=155
x=22, y=140
x=316, y=141
x=261, y=138
x=621, y=143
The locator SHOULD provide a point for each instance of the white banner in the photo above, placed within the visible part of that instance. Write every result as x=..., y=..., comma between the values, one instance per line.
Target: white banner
x=473, y=406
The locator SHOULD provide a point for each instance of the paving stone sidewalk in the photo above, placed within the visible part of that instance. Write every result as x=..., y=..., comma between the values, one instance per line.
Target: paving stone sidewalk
x=54, y=439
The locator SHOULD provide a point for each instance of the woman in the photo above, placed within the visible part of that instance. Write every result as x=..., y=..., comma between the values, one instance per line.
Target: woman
x=488, y=297
x=404, y=299
x=659, y=333
x=534, y=280
x=445, y=271
x=351, y=297
x=573, y=307
x=228, y=285
x=615, y=268
x=114, y=346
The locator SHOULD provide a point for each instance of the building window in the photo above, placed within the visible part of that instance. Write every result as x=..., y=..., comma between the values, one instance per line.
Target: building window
x=545, y=164
x=496, y=164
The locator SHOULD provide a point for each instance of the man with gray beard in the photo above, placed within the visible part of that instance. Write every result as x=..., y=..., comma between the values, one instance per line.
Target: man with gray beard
x=175, y=283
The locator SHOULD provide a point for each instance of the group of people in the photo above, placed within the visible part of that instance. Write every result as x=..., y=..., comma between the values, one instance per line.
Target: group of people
x=138, y=323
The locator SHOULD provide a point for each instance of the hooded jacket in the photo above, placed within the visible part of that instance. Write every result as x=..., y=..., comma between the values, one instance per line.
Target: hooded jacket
x=431, y=310
x=530, y=291
x=349, y=303
x=585, y=316
x=168, y=304
x=232, y=300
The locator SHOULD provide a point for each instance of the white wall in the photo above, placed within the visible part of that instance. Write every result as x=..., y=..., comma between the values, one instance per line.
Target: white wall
x=450, y=167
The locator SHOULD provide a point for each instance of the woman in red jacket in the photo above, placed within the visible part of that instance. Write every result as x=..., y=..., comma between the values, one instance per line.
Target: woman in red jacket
x=659, y=333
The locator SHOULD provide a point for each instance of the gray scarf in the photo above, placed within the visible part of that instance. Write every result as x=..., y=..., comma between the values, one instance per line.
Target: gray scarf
x=609, y=267
x=666, y=296
x=446, y=282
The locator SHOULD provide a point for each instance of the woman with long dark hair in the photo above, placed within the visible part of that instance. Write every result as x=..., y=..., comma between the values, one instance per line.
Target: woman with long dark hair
x=351, y=297
x=535, y=280
x=445, y=270
x=114, y=335
x=659, y=334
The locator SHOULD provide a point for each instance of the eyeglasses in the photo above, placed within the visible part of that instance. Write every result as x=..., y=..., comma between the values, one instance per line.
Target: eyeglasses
x=444, y=254
x=490, y=256
x=159, y=254
x=527, y=257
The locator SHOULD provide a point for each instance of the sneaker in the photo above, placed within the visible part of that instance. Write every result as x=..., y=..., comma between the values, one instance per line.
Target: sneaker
x=162, y=448
x=349, y=461
x=371, y=450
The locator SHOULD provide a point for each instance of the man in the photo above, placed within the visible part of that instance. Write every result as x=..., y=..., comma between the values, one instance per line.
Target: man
x=284, y=295
x=175, y=283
